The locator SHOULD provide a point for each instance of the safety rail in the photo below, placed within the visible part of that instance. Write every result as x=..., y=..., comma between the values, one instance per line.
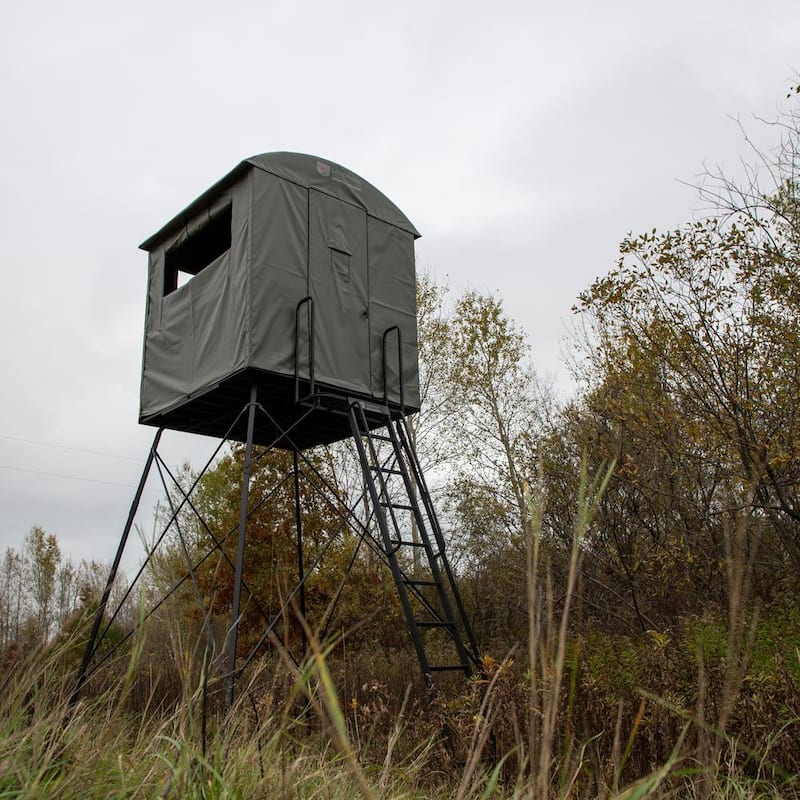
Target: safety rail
x=309, y=300
x=399, y=367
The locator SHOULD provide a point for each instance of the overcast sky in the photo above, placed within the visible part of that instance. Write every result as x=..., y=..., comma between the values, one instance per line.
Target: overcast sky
x=522, y=139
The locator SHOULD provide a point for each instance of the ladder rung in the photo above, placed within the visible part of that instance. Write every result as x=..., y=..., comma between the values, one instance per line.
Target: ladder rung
x=445, y=667
x=380, y=436
x=402, y=542
x=401, y=506
x=364, y=406
x=413, y=582
x=421, y=623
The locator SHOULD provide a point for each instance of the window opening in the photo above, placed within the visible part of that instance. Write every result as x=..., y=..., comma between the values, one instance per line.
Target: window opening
x=193, y=255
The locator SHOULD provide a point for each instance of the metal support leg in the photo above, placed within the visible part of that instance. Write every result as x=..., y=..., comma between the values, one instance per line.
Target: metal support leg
x=88, y=653
x=237, y=583
x=299, y=530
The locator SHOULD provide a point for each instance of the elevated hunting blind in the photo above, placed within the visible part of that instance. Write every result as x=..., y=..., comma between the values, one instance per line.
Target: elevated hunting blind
x=292, y=274
x=281, y=311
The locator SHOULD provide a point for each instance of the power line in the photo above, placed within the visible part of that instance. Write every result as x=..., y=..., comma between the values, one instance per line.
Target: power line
x=67, y=447
x=68, y=477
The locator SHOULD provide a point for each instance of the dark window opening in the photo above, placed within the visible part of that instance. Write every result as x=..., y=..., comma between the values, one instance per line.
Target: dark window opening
x=183, y=262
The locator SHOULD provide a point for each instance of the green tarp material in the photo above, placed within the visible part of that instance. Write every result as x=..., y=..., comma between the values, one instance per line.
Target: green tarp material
x=299, y=225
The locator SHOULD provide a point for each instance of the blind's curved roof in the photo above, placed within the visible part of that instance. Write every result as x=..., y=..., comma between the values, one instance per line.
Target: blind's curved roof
x=307, y=171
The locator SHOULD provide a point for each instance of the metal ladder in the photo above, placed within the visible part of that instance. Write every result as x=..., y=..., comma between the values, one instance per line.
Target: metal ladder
x=429, y=596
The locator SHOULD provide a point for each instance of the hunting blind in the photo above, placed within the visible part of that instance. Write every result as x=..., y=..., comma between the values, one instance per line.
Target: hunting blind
x=281, y=311
x=283, y=243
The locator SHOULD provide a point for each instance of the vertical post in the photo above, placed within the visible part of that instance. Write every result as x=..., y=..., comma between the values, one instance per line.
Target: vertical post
x=298, y=517
x=237, y=583
x=98, y=619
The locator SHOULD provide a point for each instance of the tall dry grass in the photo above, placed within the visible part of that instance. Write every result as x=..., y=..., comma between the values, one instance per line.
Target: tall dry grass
x=537, y=724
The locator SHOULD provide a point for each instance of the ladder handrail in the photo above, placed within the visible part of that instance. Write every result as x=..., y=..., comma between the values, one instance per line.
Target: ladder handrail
x=310, y=301
x=399, y=367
